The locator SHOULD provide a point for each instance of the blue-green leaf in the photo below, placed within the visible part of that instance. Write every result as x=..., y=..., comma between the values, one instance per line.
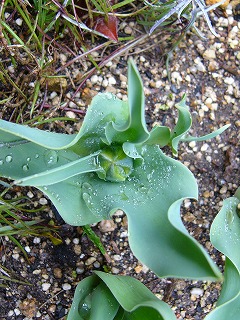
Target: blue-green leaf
x=207, y=136
x=225, y=236
x=108, y=297
x=61, y=173
x=135, y=130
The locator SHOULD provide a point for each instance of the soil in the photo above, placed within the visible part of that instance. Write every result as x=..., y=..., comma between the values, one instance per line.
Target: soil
x=208, y=72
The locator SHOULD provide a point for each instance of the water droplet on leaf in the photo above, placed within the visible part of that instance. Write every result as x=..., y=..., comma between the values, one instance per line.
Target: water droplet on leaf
x=230, y=217
x=51, y=157
x=25, y=167
x=87, y=186
x=8, y=159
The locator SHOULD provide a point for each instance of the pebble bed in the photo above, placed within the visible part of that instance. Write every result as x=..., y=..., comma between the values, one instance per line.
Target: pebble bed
x=208, y=72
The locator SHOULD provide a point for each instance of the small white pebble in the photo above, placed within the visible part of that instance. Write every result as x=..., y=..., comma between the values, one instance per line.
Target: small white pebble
x=11, y=69
x=115, y=270
x=30, y=194
x=71, y=114
x=229, y=80
x=188, y=78
x=15, y=256
x=36, y=240
x=63, y=57
x=46, y=286
x=37, y=271
x=90, y=261
x=31, y=84
x=72, y=104
x=128, y=30
x=204, y=147
x=19, y=22
x=27, y=249
x=223, y=189
x=223, y=22
x=97, y=264
x=208, y=101
x=112, y=81
x=53, y=95
x=109, y=64
x=105, y=83
x=145, y=269
x=230, y=20
x=158, y=84
x=17, y=312
x=197, y=291
x=43, y=201
x=10, y=313
x=79, y=270
x=192, y=144
x=123, y=234
x=95, y=54
x=117, y=257
x=66, y=286
x=76, y=240
x=67, y=241
x=94, y=78
x=209, y=54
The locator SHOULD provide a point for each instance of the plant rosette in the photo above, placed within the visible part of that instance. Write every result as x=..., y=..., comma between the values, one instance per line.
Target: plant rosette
x=112, y=163
x=105, y=296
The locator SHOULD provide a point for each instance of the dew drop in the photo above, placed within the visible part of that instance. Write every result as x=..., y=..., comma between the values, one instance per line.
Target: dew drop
x=36, y=156
x=1, y=162
x=229, y=217
x=87, y=186
x=25, y=167
x=28, y=159
x=8, y=159
x=88, y=200
x=51, y=157
x=84, y=309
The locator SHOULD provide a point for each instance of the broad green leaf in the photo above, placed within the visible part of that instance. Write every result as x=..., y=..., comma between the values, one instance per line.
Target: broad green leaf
x=147, y=197
x=225, y=236
x=105, y=296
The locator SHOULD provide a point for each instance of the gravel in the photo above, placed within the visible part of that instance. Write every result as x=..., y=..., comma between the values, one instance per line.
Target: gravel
x=208, y=71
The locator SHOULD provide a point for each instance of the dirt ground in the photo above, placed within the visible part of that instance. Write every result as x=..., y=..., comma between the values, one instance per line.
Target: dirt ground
x=208, y=72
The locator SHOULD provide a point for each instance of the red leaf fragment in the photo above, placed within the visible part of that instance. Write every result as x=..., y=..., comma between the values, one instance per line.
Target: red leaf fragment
x=107, y=27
